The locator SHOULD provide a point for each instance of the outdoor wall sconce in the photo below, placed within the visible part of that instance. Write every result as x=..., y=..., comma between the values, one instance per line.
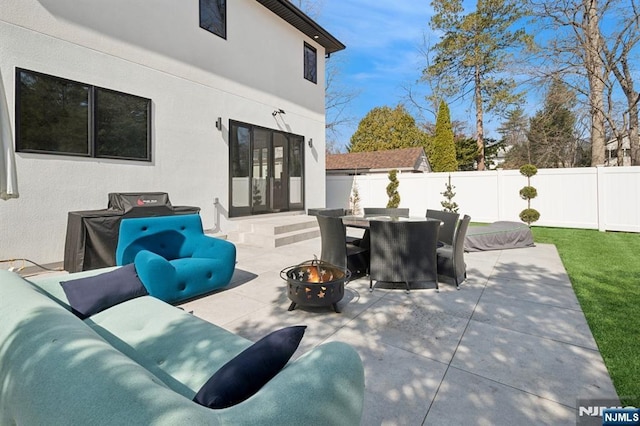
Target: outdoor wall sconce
x=310, y=142
x=219, y=123
x=278, y=111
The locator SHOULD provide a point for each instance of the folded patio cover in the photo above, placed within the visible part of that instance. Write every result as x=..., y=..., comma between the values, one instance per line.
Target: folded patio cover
x=498, y=236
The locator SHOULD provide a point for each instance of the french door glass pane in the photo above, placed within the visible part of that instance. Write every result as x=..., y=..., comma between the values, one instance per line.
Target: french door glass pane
x=240, y=159
x=295, y=170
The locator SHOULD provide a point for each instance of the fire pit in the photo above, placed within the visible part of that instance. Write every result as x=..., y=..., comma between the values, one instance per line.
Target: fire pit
x=315, y=283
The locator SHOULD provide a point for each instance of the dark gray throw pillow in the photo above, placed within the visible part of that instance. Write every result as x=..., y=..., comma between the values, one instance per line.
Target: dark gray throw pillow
x=90, y=295
x=245, y=374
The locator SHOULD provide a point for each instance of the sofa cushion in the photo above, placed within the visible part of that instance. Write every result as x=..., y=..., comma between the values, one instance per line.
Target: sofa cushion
x=245, y=374
x=90, y=295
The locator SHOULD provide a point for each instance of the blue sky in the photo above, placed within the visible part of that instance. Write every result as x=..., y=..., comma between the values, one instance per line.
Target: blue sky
x=382, y=54
x=383, y=40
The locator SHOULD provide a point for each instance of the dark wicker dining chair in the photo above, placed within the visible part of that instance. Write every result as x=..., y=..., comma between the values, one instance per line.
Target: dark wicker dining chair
x=403, y=252
x=335, y=212
x=337, y=251
x=386, y=211
x=448, y=227
x=451, y=266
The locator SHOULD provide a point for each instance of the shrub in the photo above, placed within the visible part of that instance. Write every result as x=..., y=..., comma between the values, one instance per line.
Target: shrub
x=528, y=193
x=392, y=190
x=529, y=215
x=448, y=205
x=528, y=170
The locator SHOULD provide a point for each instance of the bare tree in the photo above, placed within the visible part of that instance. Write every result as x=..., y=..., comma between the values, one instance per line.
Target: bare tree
x=310, y=7
x=337, y=98
x=617, y=56
x=581, y=48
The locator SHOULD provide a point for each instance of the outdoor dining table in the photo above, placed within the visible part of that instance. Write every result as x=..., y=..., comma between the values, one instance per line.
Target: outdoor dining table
x=363, y=222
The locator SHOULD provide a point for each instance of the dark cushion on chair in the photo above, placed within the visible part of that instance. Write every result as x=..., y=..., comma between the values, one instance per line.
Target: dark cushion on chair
x=245, y=374
x=90, y=295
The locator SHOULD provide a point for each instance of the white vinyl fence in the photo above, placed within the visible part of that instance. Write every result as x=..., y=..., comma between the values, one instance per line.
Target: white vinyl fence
x=603, y=198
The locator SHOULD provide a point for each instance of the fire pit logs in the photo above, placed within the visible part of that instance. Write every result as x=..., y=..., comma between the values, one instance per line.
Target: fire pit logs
x=315, y=283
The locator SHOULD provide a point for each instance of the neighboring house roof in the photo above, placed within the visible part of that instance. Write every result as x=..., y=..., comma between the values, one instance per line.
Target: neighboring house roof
x=406, y=159
x=294, y=16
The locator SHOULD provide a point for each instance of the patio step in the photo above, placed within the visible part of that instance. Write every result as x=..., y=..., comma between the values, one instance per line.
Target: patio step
x=275, y=230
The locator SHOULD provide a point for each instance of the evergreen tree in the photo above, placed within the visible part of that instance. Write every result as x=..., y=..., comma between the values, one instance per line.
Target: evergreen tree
x=385, y=128
x=551, y=130
x=474, y=53
x=466, y=153
x=442, y=150
x=514, y=137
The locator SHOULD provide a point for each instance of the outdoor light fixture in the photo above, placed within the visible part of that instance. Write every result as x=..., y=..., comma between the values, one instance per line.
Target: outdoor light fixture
x=310, y=142
x=278, y=111
x=219, y=123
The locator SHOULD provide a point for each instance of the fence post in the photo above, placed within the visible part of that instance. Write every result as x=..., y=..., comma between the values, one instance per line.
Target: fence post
x=601, y=195
x=499, y=190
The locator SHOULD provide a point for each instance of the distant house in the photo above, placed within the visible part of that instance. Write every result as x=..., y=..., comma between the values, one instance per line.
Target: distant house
x=406, y=160
x=612, y=152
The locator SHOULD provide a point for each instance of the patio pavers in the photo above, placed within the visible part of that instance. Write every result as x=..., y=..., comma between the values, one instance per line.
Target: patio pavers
x=510, y=347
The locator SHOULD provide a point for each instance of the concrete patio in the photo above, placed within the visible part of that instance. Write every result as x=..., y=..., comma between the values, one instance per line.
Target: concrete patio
x=511, y=347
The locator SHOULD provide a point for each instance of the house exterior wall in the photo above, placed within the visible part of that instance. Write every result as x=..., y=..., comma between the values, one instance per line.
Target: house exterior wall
x=191, y=76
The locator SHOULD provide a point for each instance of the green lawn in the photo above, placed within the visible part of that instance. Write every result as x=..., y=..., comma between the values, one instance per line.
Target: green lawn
x=604, y=268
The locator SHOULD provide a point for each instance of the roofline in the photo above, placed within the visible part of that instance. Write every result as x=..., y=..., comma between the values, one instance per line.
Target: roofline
x=378, y=170
x=297, y=18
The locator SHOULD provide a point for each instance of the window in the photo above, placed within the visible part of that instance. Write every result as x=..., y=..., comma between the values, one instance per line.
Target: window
x=59, y=116
x=310, y=63
x=213, y=16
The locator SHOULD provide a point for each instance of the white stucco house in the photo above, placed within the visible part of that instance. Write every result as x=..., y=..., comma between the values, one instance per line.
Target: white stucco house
x=201, y=99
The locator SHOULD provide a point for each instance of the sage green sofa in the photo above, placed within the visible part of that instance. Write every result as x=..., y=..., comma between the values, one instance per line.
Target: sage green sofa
x=142, y=361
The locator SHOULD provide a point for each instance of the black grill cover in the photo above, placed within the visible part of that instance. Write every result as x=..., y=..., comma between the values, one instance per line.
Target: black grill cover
x=127, y=201
x=92, y=235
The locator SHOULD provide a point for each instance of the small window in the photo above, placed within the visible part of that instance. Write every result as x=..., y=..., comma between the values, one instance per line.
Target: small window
x=59, y=116
x=213, y=16
x=310, y=63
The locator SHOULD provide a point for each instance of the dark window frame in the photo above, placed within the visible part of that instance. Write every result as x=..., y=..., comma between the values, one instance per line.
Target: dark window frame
x=223, y=19
x=310, y=70
x=92, y=124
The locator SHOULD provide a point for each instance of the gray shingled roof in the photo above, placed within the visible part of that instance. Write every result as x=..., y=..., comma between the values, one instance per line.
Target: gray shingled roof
x=403, y=159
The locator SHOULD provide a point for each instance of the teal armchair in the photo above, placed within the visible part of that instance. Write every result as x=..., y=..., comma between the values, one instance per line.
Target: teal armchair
x=173, y=257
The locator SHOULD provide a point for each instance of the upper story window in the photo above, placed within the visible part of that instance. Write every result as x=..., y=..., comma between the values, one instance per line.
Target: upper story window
x=310, y=63
x=213, y=16
x=59, y=116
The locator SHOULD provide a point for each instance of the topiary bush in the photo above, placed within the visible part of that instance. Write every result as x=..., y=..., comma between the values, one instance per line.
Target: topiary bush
x=529, y=215
x=528, y=193
x=392, y=190
x=448, y=204
x=528, y=170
